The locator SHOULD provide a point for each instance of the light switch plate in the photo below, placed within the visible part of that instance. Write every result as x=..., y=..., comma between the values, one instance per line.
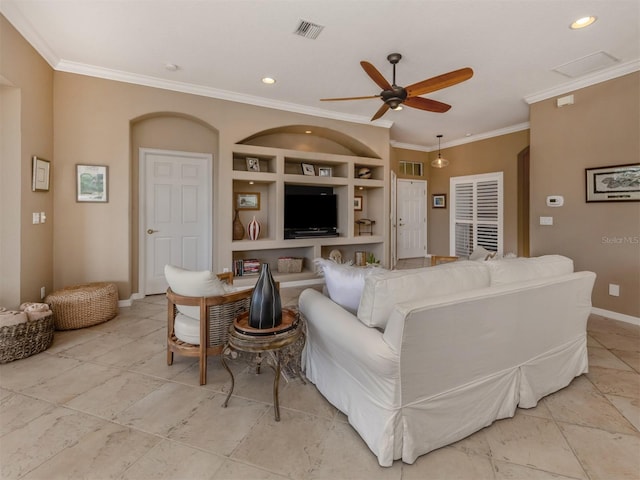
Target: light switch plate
x=36, y=218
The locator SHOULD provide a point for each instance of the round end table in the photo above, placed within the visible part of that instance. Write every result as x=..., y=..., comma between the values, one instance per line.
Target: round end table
x=244, y=338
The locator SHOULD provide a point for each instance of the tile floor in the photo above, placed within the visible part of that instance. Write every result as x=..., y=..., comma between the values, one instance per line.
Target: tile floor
x=102, y=403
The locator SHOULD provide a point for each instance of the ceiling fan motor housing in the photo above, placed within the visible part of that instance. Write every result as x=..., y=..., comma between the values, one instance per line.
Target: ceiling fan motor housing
x=394, y=97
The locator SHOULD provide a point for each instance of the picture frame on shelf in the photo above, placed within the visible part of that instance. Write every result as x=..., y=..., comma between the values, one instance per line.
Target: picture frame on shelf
x=308, y=169
x=248, y=200
x=616, y=183
x=325, y=171
x=357, y=203
x=40, y=174
x=439, y=200
x=253, y=164
x=92, y=183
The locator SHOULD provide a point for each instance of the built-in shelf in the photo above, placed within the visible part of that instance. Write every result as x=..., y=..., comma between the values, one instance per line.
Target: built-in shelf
x=281, y=167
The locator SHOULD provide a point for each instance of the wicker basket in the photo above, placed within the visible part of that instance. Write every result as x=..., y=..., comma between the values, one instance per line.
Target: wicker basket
x=25, y=339
x=81, y=306
x=289, y=265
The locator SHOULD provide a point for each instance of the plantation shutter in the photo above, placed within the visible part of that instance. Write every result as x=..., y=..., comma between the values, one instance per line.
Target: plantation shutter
x=476, y=214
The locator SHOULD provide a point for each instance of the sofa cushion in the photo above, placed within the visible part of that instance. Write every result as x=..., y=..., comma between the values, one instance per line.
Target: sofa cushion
x=512, y=270
x=193, y=284
x=345, y=282
x=382, y=291
x=187, y=329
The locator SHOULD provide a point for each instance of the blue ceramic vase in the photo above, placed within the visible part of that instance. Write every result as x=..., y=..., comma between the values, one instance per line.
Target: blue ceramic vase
x=265, y=310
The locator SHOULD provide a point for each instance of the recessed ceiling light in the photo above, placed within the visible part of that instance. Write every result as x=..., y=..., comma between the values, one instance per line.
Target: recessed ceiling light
x=583, y=22
x=307, y=131
x=269, y=80
x=172, y=67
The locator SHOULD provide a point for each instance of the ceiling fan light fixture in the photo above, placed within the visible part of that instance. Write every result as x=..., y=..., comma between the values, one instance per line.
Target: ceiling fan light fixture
x=398, y=108
x=439, y=162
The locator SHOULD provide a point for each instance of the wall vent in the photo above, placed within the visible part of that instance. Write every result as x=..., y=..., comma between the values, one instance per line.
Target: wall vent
x=308, y=29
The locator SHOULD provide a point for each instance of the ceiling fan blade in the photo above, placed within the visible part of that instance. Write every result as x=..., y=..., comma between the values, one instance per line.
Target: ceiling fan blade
x=427, y=104
x=441, y=81
x=348, y=98
x=375, y=75
x=381, y=111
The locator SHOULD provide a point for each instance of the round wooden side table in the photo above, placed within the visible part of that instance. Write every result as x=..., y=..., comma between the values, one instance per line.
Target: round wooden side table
x=244, y=338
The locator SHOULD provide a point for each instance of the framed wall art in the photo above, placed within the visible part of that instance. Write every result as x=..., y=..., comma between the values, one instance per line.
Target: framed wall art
x=248, y=200
x=357, y=203
x=40, y=175
x=617, y=183
x=324, y=171
x=92, y=183
x=439, y=200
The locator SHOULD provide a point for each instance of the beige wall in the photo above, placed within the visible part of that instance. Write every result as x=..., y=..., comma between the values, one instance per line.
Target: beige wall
x=602, y=128
x=92, y=119
x=26, y=250
x=497, y=154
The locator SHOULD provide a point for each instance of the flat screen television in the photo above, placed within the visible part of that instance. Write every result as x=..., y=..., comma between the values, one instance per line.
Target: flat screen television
x=310, y=215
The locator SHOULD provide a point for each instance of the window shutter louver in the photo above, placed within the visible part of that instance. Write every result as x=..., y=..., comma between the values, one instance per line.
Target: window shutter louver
x=476, y=213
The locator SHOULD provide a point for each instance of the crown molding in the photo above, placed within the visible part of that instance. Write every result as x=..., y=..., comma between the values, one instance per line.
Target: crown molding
x=586, y=81
x=13, y=14
x=462, y=141
x=126, y=77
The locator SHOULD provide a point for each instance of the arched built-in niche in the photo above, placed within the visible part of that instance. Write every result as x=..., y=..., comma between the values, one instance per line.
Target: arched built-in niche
x=310, y=138
x=165, y=131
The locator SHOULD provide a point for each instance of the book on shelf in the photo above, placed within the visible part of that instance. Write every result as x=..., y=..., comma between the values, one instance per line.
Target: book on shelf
x=247, y=266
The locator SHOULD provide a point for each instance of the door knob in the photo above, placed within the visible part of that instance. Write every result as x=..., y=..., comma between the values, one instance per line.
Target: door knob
x=151, y=231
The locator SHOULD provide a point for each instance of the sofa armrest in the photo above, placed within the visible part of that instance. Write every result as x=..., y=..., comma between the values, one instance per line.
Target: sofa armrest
x=340, y=333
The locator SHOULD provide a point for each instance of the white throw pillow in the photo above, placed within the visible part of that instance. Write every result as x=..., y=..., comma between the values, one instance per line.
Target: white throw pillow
x=345, y=282
x=508, y=271
x=194, y=284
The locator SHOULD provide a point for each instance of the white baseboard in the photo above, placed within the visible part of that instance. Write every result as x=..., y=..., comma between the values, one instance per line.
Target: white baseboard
x=129, y=301
x=616, y=316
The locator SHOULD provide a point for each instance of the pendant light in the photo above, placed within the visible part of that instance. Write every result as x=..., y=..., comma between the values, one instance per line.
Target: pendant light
x=439, y=162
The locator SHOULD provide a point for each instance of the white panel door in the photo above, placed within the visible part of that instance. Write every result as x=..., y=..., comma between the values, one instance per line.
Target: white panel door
x=175, y=191
x=412, y=218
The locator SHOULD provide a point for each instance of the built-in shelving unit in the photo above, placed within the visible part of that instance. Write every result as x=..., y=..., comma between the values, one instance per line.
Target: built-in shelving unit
x=281, y=167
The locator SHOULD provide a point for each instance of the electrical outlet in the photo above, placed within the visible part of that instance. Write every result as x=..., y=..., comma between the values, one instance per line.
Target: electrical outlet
x=546, y=220
x=42, y=293
x=614, y=290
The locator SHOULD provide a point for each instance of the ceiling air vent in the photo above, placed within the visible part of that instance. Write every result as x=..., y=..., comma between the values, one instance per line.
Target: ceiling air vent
x=308, y=29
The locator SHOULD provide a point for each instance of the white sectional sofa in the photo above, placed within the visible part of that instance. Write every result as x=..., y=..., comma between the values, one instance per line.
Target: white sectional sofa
x=435, y=354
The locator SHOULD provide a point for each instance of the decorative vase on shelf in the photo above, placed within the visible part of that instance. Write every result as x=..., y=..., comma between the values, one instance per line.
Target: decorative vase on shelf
x=238, y=228
x=265, y=310
x=253, y=229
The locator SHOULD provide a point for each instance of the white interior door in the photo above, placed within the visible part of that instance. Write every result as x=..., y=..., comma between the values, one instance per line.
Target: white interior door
x=175, y=214
x=412, y=218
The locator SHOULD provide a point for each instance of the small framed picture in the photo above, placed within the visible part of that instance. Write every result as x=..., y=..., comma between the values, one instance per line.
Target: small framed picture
x=324, y=171
x=357, y=203
x=616, y=183
x=253, y=164
x=439, y=200
x=40, y=175
x=308, y=169
x=248, y=200
x=92, y=183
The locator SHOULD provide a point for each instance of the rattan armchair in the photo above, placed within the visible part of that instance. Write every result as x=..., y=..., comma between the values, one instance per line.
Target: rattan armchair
x=216, y=315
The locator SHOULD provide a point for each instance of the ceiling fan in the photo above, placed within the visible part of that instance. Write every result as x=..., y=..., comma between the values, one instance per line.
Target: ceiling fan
x=392, y=95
